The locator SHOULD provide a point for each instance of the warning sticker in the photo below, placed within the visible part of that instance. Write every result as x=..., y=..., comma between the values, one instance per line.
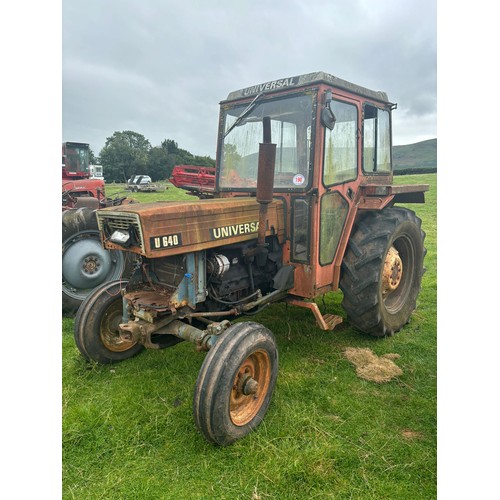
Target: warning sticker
x=299, y=179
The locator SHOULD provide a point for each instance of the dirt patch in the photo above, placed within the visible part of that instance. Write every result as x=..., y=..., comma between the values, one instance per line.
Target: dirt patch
x=410, y=435
x=369, y=366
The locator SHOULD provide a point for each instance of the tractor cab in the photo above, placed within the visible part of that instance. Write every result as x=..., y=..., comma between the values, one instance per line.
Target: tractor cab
x=75, y=160
x=333, y=159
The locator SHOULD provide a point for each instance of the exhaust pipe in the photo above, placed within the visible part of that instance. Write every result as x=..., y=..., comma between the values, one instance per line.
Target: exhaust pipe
x=265, y=179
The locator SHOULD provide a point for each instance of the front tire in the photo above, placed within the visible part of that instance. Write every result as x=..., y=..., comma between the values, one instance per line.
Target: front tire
x=236, y=383
x=382, y=271
x=96, y=326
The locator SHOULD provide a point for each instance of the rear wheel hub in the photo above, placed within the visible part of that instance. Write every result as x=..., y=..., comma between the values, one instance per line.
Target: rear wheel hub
x=393, y=271
x=85, y=264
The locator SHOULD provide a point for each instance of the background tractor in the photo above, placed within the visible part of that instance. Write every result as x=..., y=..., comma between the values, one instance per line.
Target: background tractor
x=304, y=204
x=85, y=263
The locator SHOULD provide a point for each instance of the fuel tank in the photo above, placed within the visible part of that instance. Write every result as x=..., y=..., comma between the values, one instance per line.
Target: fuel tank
x=165, y=228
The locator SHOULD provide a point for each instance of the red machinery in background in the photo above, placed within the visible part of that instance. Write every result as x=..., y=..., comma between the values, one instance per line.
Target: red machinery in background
x=199, y=181
x=78, y=189
x=85, y=263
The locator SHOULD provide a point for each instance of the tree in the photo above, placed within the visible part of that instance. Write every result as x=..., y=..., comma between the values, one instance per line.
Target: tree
x=204, y=161
x=157, y=163
x=170, y=145
x=92, y=158
x=125, y=154
x=231, y=156
x=128, y=153
x=178, y=156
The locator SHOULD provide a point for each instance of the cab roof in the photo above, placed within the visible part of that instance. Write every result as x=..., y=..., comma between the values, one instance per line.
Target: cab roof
x=306, y=80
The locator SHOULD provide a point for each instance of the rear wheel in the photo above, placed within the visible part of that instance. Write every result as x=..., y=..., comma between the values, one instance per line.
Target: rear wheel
x=96, y=326
x=236, y=383
x=85, y=263
x=382, y=271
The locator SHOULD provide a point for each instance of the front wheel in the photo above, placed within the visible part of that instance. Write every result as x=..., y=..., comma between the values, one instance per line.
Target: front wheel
x=96, y=326
x=236, y=383
x=382, y=271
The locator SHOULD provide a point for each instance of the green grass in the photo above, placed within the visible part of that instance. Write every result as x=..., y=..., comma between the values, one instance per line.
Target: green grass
x=171, y=193
x=128, y=430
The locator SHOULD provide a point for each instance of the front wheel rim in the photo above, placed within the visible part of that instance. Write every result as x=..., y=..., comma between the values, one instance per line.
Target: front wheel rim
x=250, y=386
x=110, y=332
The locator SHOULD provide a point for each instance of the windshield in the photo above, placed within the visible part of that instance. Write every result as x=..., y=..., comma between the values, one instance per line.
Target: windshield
x=291, y=120
x=77, y=159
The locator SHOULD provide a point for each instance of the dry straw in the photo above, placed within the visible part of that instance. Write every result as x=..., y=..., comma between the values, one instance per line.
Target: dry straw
x=369, y=366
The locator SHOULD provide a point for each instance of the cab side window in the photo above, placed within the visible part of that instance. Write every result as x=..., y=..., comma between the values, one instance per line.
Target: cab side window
x=341, y=152
x=376, y=140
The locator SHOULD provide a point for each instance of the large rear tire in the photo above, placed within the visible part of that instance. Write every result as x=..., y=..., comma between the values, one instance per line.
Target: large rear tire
x=235, y=384
x=382, y=271
x=85, y=263
x=96, y=326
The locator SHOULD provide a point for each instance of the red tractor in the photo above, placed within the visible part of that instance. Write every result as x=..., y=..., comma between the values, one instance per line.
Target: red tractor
x=78, y=189
x=85, y=263
x=304, y=205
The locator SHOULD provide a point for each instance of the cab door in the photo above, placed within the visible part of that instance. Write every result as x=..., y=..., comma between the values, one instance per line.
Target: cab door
x=336, y=209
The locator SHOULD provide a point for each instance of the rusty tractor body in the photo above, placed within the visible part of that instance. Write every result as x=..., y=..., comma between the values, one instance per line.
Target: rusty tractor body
x=304, y=205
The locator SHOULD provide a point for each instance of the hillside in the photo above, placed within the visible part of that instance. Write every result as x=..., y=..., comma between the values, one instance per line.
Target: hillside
x=421, y=155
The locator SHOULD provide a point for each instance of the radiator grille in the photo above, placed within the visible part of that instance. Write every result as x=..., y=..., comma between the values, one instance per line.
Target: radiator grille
x=111, y=221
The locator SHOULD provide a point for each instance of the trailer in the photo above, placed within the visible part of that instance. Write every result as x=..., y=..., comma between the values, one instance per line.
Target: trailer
x=144, y=184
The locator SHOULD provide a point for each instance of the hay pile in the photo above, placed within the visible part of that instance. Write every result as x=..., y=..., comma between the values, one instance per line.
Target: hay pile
x=369, y=366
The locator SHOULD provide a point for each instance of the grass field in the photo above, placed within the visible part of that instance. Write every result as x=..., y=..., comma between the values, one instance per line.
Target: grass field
x=128, y=430
x=171, y=193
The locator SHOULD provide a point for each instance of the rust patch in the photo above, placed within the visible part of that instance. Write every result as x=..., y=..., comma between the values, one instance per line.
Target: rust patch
x=326, y=322
x=158, y=299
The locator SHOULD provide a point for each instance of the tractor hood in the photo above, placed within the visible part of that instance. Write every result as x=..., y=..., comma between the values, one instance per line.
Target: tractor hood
x=167, y=228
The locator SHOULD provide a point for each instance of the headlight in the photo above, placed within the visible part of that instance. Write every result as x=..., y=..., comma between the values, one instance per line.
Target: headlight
x=121, y=237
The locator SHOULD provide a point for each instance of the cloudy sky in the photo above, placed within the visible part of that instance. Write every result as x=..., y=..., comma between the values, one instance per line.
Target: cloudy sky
x=161, y=67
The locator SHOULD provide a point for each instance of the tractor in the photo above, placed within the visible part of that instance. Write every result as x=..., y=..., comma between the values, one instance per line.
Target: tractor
x=85, y=263
x=304, y=204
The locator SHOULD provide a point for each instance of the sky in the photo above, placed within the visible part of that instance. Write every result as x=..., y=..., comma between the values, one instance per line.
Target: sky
x=161, y=67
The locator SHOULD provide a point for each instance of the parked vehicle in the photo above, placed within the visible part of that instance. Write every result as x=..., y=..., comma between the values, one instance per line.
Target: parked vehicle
x=304, y=204
x=143, y=183
x=96, y=172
